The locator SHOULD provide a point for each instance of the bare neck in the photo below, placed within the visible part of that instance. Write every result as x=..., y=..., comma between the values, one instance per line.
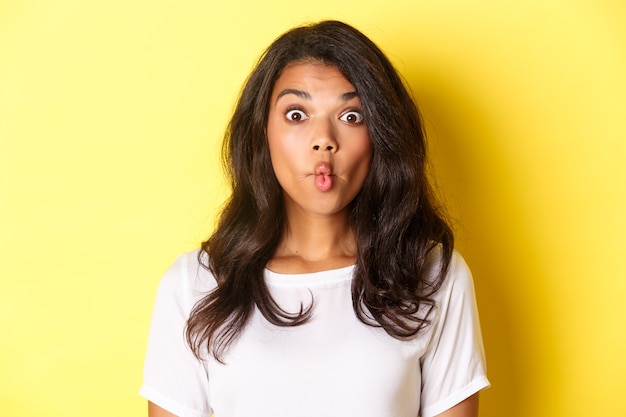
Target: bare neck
x=314, y=243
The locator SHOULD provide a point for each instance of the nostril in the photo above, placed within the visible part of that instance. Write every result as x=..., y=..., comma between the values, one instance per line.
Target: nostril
x=328, y=148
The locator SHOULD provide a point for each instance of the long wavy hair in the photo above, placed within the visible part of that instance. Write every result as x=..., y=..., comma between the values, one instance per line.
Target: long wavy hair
x=395, y=219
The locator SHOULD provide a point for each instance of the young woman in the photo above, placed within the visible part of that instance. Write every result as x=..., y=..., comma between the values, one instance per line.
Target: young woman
x=330, y=287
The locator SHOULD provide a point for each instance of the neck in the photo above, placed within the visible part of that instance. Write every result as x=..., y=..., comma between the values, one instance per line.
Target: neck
x=314, y=243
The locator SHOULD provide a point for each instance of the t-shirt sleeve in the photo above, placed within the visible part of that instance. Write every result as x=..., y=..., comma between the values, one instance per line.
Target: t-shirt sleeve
x=453, y=367
x=174, y=379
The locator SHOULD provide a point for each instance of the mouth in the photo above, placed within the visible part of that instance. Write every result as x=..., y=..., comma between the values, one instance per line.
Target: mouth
x=323, y=176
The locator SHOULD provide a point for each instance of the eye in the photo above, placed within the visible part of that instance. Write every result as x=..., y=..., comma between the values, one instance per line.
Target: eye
x=352, y=117
x=295, y=115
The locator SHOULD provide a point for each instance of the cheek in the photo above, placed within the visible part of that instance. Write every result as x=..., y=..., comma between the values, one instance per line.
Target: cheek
x=273, y=143
x=284, y=144
x=364, y=150
x=364, y=153
x=283, y=156
x=366, y=147
x=275, y=157
x=278, y=133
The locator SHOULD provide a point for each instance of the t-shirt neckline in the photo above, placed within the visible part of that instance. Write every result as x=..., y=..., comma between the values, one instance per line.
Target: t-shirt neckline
x=336, y=275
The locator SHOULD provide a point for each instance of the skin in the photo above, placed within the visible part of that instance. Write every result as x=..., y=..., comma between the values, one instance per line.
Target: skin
x=315, y=117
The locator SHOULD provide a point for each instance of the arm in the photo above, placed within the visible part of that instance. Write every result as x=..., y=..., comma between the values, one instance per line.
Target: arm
x=156, y=411
x=466, y=408
x=453, y=367
x=173, y=377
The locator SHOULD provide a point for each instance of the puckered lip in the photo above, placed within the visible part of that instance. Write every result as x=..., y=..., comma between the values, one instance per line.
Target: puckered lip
x=323, y=168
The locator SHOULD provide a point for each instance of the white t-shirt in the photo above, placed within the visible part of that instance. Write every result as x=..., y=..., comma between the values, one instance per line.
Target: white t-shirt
x=332, y=366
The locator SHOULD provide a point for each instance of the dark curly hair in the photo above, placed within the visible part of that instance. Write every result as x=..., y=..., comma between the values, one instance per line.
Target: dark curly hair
x=396, y=222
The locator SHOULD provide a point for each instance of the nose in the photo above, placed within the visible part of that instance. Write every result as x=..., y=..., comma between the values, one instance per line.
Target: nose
x=329, y=148
x=324, y=138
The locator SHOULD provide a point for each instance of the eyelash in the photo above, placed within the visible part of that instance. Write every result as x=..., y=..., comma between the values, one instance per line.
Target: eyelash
x=295, y=110
x=303, y=116
x=352, y=112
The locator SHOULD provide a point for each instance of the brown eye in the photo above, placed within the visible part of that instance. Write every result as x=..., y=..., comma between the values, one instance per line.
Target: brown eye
x=296, y=115
x=352, y=117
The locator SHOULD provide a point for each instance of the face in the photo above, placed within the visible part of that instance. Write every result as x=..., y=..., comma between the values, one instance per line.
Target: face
x=318, y=140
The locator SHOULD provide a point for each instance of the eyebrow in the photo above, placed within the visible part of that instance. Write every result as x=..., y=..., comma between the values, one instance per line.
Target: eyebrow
x=306, y=96
x=302, y=94
x=349, y=96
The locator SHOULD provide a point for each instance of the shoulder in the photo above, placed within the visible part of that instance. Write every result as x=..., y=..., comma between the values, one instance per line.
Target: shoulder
x=459, y=272
x=188, y=278
x=458, y=279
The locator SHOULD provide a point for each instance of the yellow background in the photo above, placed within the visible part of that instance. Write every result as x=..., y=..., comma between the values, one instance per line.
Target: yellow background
x=111, y=114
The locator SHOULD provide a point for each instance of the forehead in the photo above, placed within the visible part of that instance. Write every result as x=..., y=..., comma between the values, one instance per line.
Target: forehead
x=311, y=74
